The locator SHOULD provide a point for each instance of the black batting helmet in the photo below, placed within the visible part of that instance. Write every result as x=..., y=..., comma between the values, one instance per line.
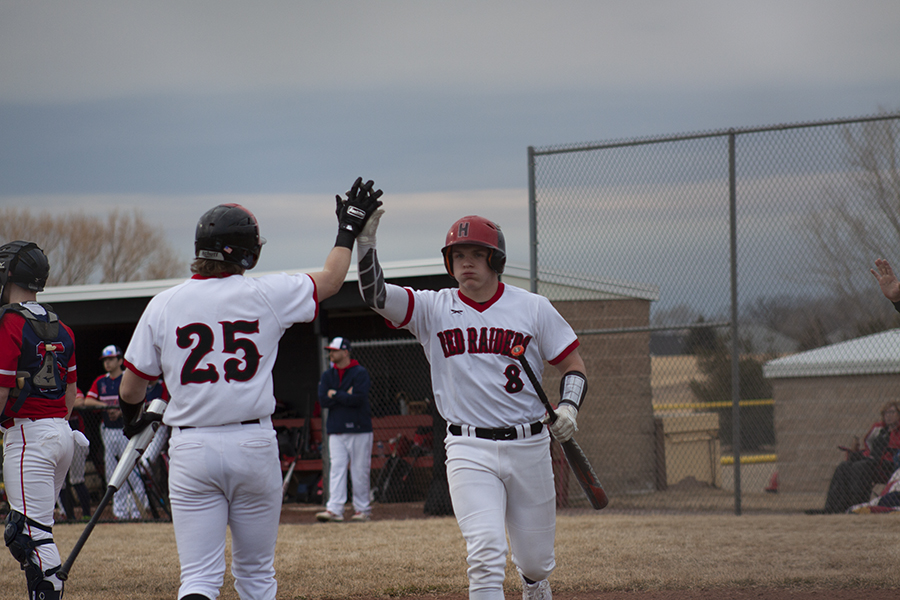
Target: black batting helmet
x=230, y=233
x=24, y=264
x=480, y=232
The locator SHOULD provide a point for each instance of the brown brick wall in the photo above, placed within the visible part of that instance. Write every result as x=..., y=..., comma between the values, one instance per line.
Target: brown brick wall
x=615, y=427
x=815, y=415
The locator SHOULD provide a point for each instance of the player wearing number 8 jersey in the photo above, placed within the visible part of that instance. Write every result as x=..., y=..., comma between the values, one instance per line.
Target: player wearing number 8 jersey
x=498, y=451
x=214, y=339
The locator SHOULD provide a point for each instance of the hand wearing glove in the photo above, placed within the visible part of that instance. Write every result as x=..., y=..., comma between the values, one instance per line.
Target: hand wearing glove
x=355, y=210
x=367, y=235
x=136, y=418
x=565, y=426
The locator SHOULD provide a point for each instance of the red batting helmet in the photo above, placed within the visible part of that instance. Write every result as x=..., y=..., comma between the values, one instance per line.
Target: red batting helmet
x=230, y=233
x=479, y=232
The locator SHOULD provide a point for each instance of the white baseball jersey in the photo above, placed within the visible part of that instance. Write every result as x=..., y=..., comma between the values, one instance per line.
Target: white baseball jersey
x=215, y=341
x=474, y=378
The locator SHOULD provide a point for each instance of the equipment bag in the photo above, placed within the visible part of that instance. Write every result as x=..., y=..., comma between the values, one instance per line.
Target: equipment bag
x=395, y=481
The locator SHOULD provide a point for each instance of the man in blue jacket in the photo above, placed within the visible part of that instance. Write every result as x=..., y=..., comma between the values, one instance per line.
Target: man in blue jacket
x=344, y=391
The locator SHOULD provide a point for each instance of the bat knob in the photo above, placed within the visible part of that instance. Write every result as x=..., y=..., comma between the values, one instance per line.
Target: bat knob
x=517, y=350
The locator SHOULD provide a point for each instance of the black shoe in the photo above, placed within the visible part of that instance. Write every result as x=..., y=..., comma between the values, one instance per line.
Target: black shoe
x=816, y=511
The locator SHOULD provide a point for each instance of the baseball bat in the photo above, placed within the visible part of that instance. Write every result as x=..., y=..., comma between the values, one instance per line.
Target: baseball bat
x=287, y=477
x=298, y=452
x=133, y=450
x=575, y=456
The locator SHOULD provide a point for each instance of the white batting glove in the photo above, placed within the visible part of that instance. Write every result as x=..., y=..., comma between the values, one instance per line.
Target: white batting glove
x=565, y=426
x=366, y=237
x=80, y=439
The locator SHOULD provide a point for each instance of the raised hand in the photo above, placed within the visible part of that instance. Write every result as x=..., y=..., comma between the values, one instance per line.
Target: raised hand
x=354, y=212
x=361, y=203
x=342, y=202
x=367, y=235
x=890, y=286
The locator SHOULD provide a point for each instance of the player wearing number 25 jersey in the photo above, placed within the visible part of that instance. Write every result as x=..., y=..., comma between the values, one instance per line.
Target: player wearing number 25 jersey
x=498, y=450
x=214, y=339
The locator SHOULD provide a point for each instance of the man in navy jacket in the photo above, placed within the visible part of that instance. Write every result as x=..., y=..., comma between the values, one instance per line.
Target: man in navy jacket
x=344, y=391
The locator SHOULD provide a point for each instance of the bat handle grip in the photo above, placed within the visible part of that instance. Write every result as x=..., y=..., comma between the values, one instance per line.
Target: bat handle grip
x=551, y=415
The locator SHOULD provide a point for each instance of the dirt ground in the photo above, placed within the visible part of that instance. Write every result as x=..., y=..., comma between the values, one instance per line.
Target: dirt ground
x=305, y=513
x=714, y=594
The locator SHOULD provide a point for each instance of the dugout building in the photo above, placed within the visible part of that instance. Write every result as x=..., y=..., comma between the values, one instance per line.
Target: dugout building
x=823, y=399
x=616, y=430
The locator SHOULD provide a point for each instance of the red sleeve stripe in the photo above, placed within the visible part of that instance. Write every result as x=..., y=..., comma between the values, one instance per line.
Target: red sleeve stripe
x=409, y=311
x=565, y=353
x=315, y=296
x=138, y=372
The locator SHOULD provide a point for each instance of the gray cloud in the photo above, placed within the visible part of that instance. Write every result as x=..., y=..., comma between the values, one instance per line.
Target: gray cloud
x=59, y=52
x=176, y=106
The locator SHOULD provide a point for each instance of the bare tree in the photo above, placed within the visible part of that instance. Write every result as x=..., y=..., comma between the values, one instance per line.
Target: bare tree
x=83, y=249
x=858, y=222
x=133, y=251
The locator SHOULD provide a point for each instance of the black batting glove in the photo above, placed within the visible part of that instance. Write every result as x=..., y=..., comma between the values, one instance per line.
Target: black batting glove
x=341, y=203
x=353, y=212
x=136, y=418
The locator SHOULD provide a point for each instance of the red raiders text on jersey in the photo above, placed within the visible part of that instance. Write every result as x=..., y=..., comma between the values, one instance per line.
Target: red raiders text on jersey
x=481, y=341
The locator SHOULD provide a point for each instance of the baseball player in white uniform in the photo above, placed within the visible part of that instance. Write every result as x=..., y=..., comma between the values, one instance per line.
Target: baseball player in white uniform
x=214, y=338
x=498, y=450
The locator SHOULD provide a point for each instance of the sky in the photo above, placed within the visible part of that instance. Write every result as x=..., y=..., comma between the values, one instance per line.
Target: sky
x=174, y=106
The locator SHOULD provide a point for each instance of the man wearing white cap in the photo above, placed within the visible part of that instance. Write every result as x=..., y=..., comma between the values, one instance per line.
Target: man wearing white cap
x=344, y=391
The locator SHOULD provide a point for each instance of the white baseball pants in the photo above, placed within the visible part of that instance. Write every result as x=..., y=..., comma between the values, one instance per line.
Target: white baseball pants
x=499, y=488
x=353, y=450
x=226, y=476
x=36, y=457
x=123, y=505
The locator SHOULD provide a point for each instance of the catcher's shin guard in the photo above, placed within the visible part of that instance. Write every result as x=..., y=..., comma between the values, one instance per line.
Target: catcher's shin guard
x=44, y=591
x=22, y=547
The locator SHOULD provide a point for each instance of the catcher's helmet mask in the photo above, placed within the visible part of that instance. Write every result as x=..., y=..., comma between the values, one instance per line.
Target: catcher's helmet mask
x=24, y=264
x=476, y=231
x=229, y=233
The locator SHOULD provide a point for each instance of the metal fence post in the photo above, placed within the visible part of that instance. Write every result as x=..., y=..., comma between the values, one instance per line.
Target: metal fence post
x=532, y=221
x=735, y=355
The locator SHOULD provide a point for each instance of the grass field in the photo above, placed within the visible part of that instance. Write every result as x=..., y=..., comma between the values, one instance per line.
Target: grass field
x=597, y=554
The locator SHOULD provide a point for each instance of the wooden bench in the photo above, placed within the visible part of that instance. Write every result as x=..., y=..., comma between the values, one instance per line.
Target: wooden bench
x=385, y=430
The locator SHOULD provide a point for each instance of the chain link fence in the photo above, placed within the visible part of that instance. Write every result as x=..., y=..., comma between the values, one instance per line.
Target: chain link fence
x=733, y=336
x=761, y=346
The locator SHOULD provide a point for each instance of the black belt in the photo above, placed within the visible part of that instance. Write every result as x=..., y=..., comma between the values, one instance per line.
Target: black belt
x=250, y=422
x=507, y=433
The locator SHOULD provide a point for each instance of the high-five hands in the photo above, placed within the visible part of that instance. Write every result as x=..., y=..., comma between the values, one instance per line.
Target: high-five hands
x=354, y=211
